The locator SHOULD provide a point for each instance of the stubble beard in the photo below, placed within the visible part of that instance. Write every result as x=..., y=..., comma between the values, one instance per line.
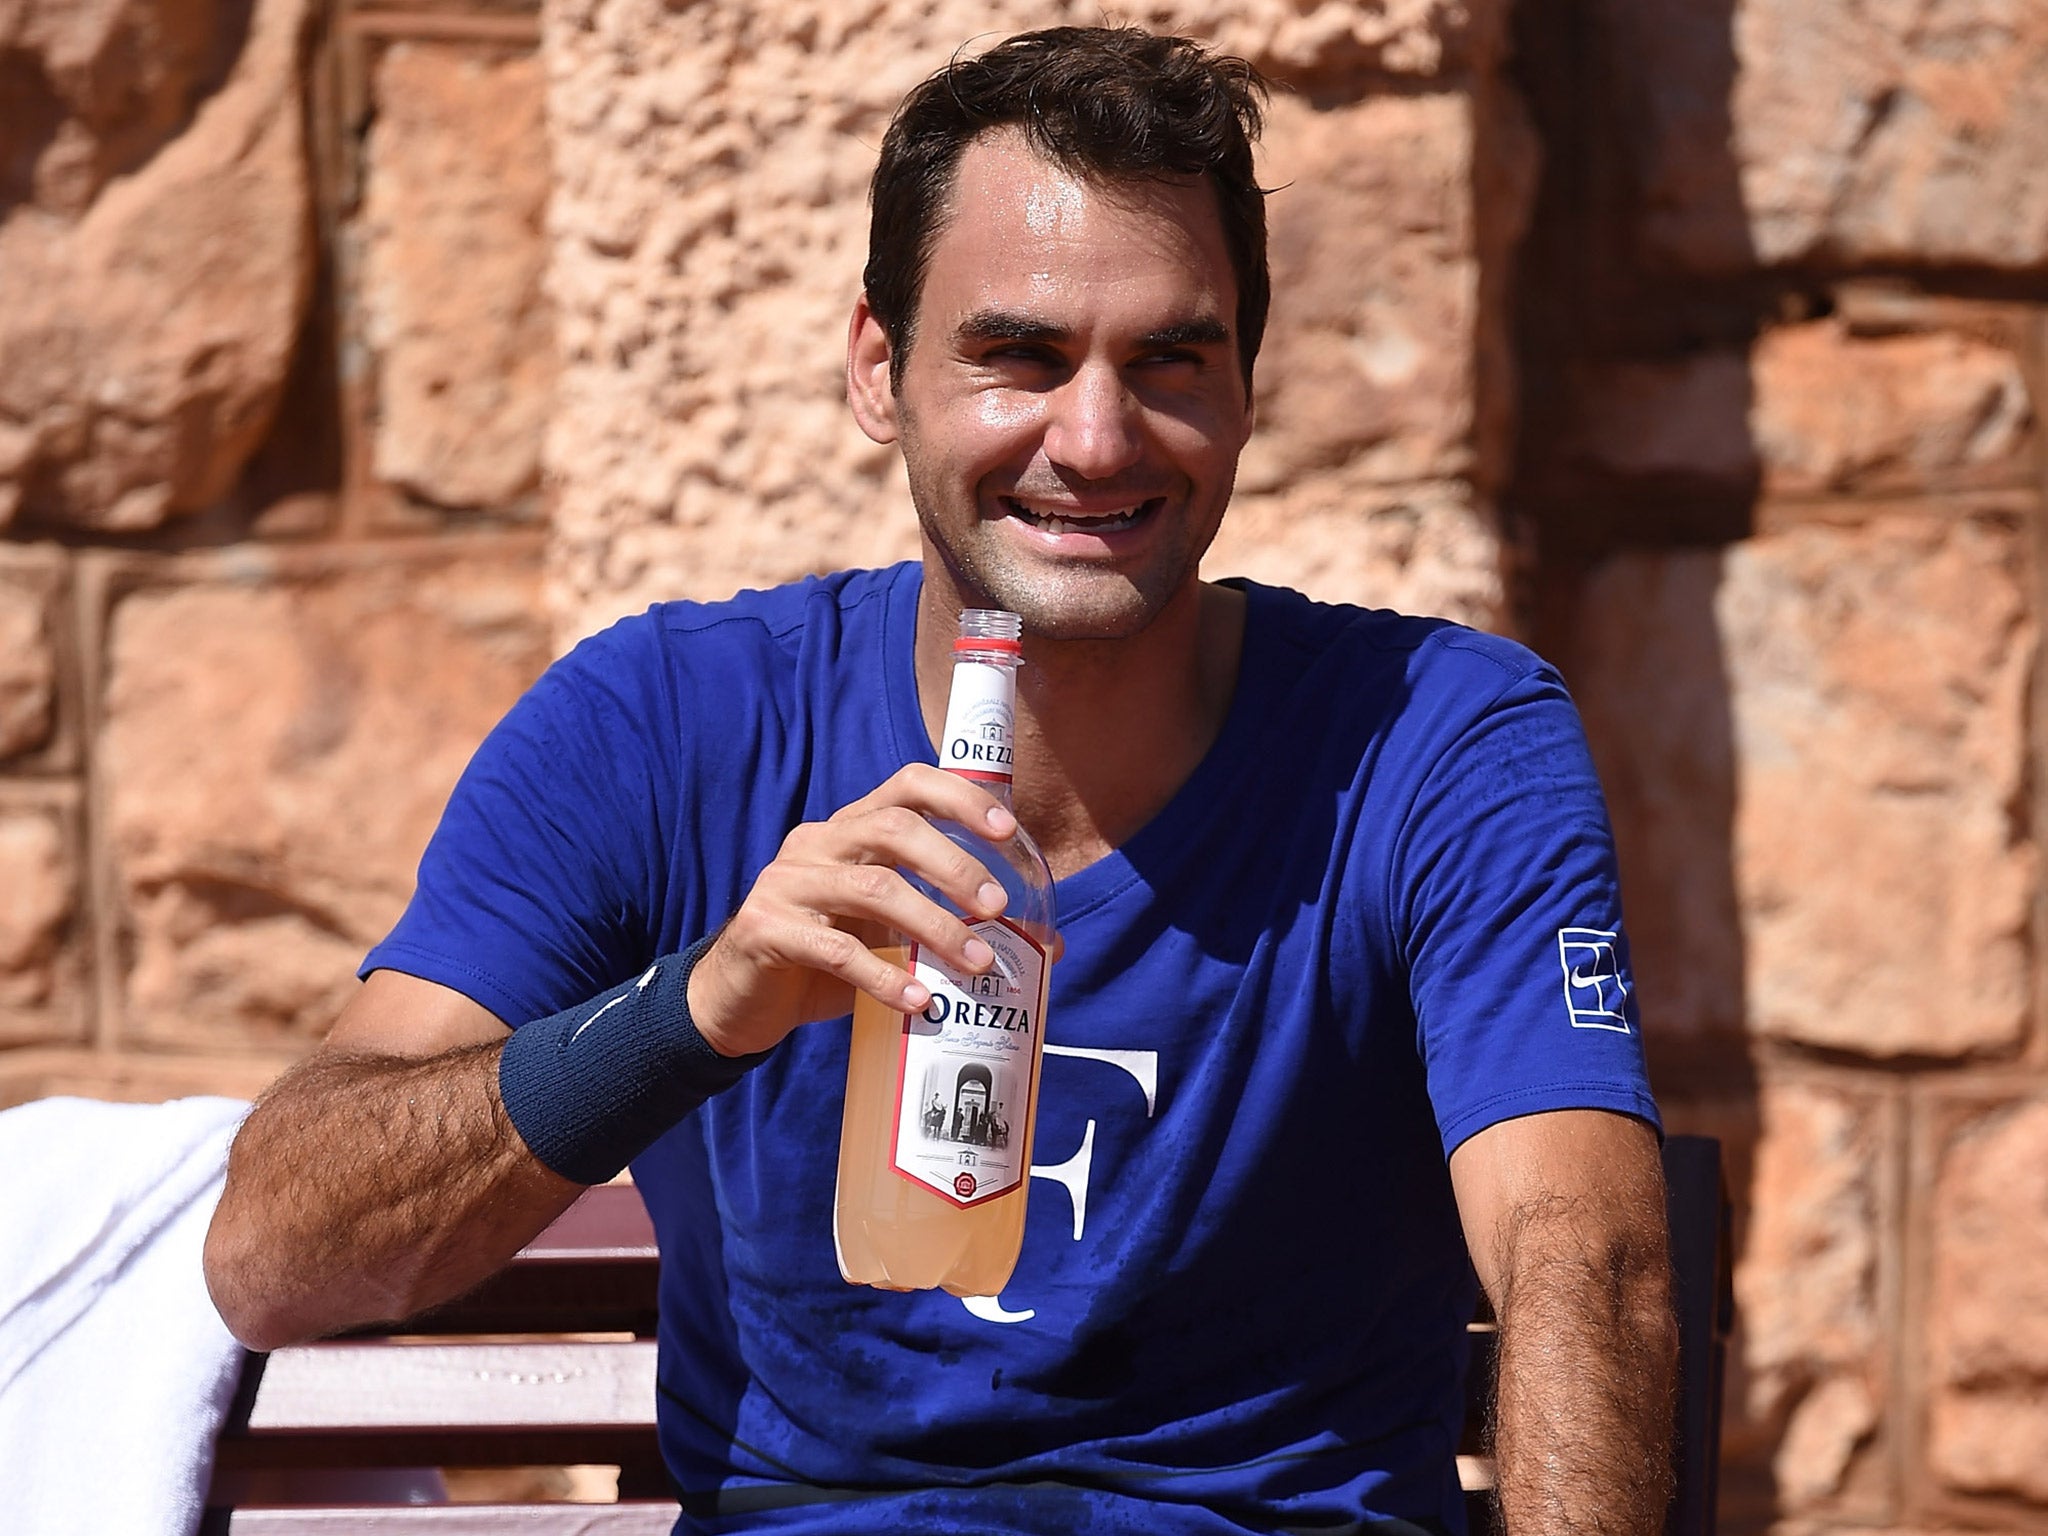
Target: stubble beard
x=1078, y=602
x=1074, y=603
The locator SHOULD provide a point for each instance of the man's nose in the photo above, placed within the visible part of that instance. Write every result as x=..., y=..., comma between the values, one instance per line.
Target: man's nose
x=1093, y=424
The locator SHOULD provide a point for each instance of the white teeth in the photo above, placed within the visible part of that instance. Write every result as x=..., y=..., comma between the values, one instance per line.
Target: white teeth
x=1110, y=523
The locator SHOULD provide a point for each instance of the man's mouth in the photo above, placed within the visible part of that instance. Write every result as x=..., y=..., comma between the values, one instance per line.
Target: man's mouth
x=1056, y=519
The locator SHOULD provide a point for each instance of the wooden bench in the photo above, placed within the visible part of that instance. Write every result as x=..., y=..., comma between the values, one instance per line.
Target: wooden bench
x=549, y=1363
x=491, y=1381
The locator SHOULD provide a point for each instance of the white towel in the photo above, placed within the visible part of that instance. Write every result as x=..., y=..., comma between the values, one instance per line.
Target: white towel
x=115, y=1370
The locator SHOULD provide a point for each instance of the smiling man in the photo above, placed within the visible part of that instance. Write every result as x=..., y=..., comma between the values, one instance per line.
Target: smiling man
x=1335, y=886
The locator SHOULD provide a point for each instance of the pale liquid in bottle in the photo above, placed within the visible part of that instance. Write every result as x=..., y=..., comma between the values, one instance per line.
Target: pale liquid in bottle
x=935, y=1148
x=892, y=1232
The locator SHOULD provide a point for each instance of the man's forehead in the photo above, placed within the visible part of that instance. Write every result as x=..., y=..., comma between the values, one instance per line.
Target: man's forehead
x=1002, y=166
x=1014, y=212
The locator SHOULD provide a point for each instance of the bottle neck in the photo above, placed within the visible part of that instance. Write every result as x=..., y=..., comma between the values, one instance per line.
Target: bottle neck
x=981, y=715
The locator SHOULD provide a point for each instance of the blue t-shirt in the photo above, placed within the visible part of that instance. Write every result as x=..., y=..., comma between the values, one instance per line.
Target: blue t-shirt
x=1380, y=916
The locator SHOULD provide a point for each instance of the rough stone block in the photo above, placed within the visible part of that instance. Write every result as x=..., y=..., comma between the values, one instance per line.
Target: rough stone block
x=1812, y=410
x=1324, y=45
x=43, y=945
x=455, y=192
x=166, y=301
x=1811, y=1166
x=1369, y=362
x=1783, y=730
x=1810, y=1367
x=279, y=738
x=1835, y=132
x=1987, y=1317
x=1685, y=422
x=30, y=583
x=1836, y=412
x=709, y=226
x=1421, y=549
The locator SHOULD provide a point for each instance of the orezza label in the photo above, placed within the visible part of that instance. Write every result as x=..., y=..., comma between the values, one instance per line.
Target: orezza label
x=979, y=715
x=969, y=1063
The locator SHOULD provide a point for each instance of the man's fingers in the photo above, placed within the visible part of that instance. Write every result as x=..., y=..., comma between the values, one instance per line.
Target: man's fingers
x=839, y=953
x=895, y=837
x=877, y=894
x=934, y=792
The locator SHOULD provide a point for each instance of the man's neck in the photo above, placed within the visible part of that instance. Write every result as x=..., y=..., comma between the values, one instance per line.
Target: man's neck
x=1107, y=730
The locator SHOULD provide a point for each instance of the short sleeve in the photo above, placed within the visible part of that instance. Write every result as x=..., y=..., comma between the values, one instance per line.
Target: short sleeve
x=538, y=887
x=1508, y=897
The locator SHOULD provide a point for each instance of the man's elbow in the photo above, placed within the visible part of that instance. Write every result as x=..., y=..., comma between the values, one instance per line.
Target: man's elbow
x=249, y=1301
x=233, y=1297
x=1648, y=1317
x=1601, y=1277
x=268, y=1303
x=1628, y=1265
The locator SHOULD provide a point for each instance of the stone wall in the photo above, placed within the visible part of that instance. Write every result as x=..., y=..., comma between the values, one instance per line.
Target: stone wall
x=273, y=365
x=352, y=360
x=1780, y=476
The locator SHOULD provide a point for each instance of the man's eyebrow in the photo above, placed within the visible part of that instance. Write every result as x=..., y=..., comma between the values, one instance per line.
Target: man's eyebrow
x=1208, y=331
x=1008, y=325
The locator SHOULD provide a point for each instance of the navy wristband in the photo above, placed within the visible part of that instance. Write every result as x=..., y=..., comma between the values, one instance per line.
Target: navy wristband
x=590, y=1088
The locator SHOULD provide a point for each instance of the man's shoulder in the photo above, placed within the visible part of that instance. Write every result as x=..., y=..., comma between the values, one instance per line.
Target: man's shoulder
x=691, y=633
x=1320, y=633
x=777, y=613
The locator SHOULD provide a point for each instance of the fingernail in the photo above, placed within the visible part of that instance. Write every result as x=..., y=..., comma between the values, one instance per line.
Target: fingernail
x=978, y=954
x=916, y=995
x=999, y=820
x=992, y=897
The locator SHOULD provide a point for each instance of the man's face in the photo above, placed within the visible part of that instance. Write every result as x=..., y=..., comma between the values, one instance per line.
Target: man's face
x=1072, y=408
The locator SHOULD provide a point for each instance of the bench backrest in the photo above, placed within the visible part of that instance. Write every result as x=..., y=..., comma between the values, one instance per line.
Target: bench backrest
x=492, y=1380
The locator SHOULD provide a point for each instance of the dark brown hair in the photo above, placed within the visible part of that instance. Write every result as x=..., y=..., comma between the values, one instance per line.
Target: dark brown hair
x=1104, y=102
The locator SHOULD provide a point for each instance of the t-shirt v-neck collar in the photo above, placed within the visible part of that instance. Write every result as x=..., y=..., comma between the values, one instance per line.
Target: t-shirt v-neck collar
x=1153, y=846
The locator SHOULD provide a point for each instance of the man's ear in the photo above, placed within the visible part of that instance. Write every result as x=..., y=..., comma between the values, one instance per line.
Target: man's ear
x=868, y=387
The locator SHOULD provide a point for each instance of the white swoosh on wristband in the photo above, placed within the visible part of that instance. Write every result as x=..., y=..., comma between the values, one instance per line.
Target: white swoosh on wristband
x=597, y=1015
x=646, y=980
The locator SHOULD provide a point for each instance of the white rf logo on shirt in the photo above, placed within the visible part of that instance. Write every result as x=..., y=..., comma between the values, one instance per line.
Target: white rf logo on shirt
x=1143, y=1069
x=1595, y=996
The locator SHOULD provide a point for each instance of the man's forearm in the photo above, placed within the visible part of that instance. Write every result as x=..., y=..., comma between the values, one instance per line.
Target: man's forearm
x=1588, y=1356
x=364, y=1188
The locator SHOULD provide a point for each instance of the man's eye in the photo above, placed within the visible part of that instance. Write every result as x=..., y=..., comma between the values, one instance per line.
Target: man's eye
x=1172, y=359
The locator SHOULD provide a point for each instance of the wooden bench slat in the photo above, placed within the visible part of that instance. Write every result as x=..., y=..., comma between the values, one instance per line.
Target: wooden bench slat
x=636, y=1452
x=608, y=1222
x=640, y=1518
x=355, y=1385
x=547, y=1295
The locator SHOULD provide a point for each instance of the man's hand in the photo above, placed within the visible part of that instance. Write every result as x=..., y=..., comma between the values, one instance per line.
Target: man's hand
x=1564, y=1216
x=798, y=948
